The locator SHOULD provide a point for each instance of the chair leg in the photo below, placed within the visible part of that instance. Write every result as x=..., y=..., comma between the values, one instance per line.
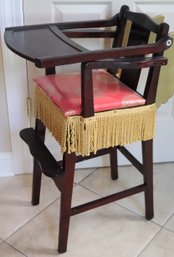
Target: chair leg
x=36, y=185
x=147, y=147
x=65, y=204
x=37, y=173
x=113, y=163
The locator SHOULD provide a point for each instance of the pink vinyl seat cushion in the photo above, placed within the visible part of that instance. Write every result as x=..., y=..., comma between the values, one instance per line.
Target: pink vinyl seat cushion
x=109, y=92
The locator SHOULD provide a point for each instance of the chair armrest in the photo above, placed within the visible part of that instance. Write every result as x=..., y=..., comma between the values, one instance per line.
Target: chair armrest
x=122, y=62
x=128, y=63
x=87, y=56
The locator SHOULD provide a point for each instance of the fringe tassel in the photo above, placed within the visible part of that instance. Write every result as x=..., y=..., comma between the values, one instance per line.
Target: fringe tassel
x=105, y=129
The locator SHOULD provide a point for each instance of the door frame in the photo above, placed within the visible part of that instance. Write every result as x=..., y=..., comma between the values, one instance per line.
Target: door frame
x=11, y=12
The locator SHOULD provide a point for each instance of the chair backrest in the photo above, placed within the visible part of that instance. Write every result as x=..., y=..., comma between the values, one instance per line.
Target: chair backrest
x=166, y=77
x=135, y=29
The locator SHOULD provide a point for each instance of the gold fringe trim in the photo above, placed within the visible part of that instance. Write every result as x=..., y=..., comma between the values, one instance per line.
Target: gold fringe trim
x=105, y=129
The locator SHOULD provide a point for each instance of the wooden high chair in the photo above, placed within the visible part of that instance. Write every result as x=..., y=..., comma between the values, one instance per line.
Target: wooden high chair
x=97, y=110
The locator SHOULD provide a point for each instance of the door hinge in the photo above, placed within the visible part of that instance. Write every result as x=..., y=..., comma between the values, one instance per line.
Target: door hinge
x=29, y=107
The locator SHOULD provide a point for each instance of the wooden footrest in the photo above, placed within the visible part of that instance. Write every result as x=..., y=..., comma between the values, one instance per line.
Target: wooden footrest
x=40, y=152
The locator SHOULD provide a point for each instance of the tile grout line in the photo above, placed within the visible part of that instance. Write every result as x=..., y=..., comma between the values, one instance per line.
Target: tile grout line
x=168, y=229
x=86, y=176
x=148, y=243
x=168, y=219
x=75, y=184
x=162, y=227
x=90, y=190
x=143, y=216
x=31, y=219
x=16, y=249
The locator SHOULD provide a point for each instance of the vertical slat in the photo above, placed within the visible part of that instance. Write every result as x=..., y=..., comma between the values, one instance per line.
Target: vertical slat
x=87, y=91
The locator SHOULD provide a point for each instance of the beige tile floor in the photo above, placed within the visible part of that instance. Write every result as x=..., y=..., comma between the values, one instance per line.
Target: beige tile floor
x=115, y=230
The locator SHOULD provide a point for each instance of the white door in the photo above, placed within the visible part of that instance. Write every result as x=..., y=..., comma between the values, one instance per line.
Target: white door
x=43, y=11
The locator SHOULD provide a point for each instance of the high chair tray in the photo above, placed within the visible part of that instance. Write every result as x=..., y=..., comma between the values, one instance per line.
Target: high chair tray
x=45, y=45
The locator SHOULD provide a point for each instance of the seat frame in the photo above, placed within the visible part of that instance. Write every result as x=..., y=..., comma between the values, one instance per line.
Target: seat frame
x=131, y=59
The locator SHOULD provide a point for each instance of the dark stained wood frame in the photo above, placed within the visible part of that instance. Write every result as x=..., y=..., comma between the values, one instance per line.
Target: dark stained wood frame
x=131, y=59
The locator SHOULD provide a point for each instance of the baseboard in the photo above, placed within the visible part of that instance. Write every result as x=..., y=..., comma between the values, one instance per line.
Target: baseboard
x=6, y=164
